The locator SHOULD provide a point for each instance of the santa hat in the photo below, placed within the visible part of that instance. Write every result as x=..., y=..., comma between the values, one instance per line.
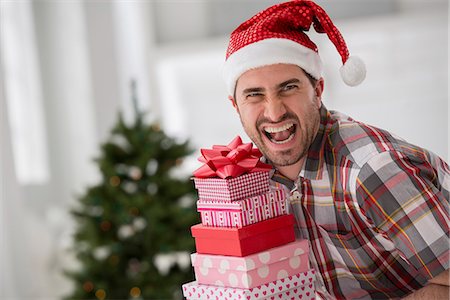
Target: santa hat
x=277, y=35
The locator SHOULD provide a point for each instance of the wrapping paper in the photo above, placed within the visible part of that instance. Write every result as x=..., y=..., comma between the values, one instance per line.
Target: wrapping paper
x=253, y=270
x=300, y=286
x=232, y=189
x=242, y=212
x=245, y=240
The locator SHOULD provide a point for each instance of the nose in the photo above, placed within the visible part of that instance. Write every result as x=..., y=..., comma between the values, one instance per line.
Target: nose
x=275, y=109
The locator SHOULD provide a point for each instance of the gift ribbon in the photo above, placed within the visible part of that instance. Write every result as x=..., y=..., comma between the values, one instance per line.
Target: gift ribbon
x=230, y=161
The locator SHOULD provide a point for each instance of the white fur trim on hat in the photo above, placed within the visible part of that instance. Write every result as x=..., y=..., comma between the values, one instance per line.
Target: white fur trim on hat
x=269, y=52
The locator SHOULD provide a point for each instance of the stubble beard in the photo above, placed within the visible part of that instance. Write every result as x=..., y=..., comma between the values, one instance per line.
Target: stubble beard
x=290, y=156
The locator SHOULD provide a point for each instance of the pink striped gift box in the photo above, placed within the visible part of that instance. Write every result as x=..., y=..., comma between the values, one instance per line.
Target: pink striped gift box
x=232, y=189
x=252, y=270
x=242, y=212
x=299, y=286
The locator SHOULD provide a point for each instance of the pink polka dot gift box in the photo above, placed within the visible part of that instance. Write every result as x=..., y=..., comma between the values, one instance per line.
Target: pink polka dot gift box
x=252, y=270
x=299, y=286
x=242, y=212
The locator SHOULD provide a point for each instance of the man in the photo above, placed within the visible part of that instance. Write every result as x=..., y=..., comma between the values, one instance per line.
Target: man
x=374, y=207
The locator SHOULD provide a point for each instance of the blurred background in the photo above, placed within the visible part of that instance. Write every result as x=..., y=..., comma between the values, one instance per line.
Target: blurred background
x=66, y=70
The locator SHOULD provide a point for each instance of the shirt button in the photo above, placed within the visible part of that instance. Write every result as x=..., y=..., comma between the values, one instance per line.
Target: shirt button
x=295, y=195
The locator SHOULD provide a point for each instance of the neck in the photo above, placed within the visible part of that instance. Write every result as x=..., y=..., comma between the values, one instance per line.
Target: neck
x=291, y=171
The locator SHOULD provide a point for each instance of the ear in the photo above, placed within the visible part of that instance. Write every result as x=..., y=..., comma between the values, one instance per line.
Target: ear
x=233, y=102
x=318, y=90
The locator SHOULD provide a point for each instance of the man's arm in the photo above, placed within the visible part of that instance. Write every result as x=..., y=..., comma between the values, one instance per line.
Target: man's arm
x=441, y=279
x=400, y=195
x=436, y=288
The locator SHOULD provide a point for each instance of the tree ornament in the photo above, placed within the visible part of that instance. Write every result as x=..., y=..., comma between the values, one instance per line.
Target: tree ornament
x=129, y=187
x=183, y=259
x=100, y=253
x=96, y=211
x=135, y=292
x=114, y=181
x=186, y=201
x=134, y=267
x=139, y=224
x=135, y=173
x=152, y=188
x=152, y=167
x=100, y=294
x=88, y=286
x=121, y=142
x=125, y=231
x=105, y=225
x=164, y=261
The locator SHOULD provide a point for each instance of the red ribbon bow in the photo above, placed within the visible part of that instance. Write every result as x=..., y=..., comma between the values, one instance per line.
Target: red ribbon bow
x=232, y=160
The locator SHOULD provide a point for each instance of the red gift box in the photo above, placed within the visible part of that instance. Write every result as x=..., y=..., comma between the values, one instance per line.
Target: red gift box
x=242, y=212
x=300, y=286
x=232, y=189
x=245, y=240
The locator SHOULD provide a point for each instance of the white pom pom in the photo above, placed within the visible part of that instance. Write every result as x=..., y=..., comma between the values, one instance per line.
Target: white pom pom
x=353, y=71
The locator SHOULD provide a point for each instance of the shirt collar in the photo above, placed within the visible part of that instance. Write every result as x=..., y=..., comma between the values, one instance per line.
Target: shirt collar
x=313, y=166
x=314, y=163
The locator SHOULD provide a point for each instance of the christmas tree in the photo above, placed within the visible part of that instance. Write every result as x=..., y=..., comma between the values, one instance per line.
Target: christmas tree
x=133, y=229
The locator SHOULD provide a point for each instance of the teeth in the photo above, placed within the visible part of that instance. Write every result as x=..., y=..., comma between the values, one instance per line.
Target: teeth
x=279, y=129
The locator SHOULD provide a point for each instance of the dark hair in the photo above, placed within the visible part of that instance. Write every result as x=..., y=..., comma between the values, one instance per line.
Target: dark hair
x=311, y=79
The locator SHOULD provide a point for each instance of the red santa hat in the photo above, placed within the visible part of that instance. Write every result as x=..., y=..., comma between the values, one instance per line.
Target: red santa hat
x=277, y=35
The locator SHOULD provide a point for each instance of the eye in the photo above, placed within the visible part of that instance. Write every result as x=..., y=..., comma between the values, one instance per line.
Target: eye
x=254, y=95
x=289, y=87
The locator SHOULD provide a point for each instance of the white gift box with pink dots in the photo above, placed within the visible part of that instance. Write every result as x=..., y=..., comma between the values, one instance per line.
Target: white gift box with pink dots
x=299, y=286
x=252, y=270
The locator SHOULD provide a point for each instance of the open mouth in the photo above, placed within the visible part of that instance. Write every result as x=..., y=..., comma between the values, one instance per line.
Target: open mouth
x=281, y=134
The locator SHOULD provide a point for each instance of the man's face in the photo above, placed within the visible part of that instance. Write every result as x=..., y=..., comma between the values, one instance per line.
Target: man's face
x=279, y=110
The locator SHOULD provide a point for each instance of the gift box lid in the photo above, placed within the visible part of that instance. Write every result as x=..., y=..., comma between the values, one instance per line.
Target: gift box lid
x=225, y=233
x=253, y=261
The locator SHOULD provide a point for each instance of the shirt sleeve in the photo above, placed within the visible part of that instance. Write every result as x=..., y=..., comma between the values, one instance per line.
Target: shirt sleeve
x=405, y=199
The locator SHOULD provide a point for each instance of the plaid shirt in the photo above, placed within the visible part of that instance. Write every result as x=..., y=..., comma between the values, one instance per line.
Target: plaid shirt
x=374, y=208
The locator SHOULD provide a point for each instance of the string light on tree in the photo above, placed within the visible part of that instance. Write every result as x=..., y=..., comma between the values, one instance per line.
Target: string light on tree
x=135, y=173
x=100, y=294
x=125, y=232
x=135, y=292
x=139, y=224
x=129, y=187
x=152, y=167
x=101, y=253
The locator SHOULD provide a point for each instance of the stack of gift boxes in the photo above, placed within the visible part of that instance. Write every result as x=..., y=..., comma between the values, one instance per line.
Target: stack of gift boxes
x=246, y=247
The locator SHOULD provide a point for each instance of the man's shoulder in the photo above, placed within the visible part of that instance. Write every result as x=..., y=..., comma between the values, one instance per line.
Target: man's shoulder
x=357, y=141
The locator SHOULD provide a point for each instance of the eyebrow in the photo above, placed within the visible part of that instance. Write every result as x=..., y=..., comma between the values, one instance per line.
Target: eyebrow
x=287, y=82
x=252, y=90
